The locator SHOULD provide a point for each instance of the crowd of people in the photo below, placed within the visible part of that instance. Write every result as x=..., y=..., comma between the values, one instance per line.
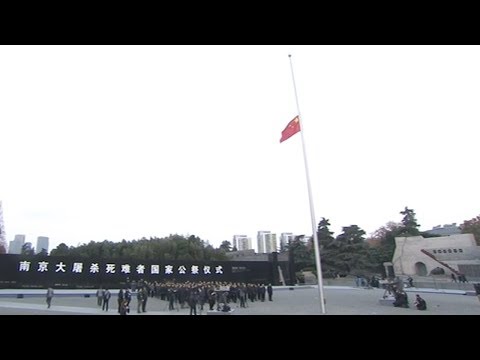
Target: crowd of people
x=394, y=288
x=216, y=296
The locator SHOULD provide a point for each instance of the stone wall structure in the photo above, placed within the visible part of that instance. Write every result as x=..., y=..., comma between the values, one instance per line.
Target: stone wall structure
x=458, y=251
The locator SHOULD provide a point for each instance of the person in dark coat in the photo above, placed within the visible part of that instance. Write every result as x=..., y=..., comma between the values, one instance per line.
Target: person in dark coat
x=270, y=292
x=106, y=298
x=124, y=308
x=144, y=299
x=261, y=292
x=401, y=299
x=128, y=296
x=139, y=300
x=120, y=299
x=420, y=303
x=211, y=299
x=49, y=297
x=192, y=302
x=100, y=292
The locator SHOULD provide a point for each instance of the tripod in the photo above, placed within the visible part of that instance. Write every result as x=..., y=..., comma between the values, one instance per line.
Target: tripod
x=389, y=290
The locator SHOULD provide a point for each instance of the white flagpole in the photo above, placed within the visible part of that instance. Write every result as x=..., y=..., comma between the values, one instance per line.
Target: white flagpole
x=312, y=211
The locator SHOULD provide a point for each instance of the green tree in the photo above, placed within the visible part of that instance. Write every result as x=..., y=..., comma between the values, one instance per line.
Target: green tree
x=27, y=249
x=301, y=254
x=324, y=235
x=472, y=226
x=173, y=247
x=60, y=250
x=409, y=223
x=352, y=235
x=347, y=253
x=43, y=252
x=226, y=246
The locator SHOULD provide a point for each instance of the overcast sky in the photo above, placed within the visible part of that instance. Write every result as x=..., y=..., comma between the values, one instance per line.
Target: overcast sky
x=124, y=142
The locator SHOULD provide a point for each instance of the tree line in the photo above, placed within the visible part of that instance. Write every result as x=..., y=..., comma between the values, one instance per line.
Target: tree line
x=172, y=247
x=352, y=253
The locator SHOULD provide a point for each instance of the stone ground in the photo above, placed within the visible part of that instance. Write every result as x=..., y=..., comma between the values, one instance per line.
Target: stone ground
x=301, y=301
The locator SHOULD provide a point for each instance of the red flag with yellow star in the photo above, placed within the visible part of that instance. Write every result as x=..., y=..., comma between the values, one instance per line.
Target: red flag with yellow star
x=292, y=128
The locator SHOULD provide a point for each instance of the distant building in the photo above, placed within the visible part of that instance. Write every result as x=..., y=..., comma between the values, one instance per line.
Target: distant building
x=242, y=242
x=446, y=230
x=16, y=244
x=42, y=244
x=267, y=242
x=3, y=237
x=285, y=239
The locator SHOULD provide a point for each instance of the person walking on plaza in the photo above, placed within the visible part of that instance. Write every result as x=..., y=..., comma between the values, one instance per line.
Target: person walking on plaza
x=120, y=299
x=100, y=296
x=144, y=299
x=139, y=300
x=128, y=296
x=106, y=298
x=270, y=292
x=192, y=301
x=49, y=297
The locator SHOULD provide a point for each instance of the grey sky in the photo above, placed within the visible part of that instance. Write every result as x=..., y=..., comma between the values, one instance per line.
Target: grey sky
x=113, y=142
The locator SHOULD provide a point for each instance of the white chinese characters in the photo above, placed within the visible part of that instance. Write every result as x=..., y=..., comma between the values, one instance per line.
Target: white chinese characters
x=94, y=268
x=24, y=266
x=60, y=267
x=140, y=269
x=194, y=269
x=111, y=268
x=77, y=267
x=42, y=266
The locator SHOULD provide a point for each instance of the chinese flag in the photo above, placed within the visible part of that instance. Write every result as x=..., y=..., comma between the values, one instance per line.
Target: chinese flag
x=292, y=128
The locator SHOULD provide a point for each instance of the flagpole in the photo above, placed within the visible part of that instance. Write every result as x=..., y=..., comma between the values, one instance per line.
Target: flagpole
x=312, y=211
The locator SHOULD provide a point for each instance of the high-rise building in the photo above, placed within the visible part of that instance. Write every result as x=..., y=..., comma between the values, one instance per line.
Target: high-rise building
x=3, y=237
x=42, y=244
x=285, y=239
x=242, y=242
x=267, y=242
x=245, y=244
x=16, y=244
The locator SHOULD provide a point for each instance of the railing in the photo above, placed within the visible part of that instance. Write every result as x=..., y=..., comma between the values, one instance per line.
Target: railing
x=440, y=262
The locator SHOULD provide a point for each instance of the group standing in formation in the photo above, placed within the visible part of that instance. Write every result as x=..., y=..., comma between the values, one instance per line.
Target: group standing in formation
x=215, y=296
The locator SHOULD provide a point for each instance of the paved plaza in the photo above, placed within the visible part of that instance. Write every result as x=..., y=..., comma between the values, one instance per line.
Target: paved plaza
x=300, y=301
